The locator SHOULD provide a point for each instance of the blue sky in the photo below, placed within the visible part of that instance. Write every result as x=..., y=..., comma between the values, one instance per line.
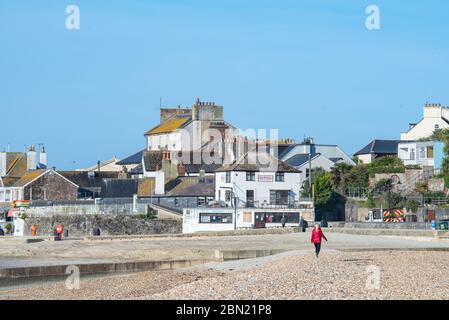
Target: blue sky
x=305, y=67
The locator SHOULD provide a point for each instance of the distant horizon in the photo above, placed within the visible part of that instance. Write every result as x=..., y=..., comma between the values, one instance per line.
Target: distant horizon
x=308, y=68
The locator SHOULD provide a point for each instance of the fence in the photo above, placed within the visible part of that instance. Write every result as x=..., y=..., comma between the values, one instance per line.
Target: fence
x=99, y=206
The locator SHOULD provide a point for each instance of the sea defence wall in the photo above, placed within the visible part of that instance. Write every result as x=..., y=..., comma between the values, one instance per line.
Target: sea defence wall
x=83, y=224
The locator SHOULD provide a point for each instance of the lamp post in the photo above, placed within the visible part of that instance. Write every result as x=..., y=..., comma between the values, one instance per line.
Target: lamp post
x=390, y=186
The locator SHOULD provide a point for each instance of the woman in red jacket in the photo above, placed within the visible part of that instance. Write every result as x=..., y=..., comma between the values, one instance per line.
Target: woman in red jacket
x=317, y=235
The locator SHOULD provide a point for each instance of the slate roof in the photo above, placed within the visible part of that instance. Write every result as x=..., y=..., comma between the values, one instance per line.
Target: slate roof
x=152, y=160
x=193, y=187
x=380, y=147
x=282, y=151
x=191, y=165
x=119, y=188
x=335, y=160
x=86, y=180
x=299, y=159
x=258, y=161
x=136, y=170
x=171, y=124
x=135, y=158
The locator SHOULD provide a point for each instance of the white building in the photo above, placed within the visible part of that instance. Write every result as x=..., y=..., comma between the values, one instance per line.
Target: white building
x=203, y=219
x=301, y=162
x=417, y=153
x=329, y=151
x=435, y=117
x=189, y=129
x=258, y=179
x=323, y=156
x=377, y=149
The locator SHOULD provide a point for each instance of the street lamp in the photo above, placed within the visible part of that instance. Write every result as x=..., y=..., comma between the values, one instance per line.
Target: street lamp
x=390, y=186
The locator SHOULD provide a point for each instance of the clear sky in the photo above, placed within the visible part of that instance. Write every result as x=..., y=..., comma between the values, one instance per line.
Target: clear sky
x=305, y=67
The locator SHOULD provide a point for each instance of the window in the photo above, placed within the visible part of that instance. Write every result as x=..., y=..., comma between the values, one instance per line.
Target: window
x=412, y=154
x=250, y=176
x=249, y=198
x=437, y=126
x=247, y=217
x=215, y=217
x=422, y=153
x=228, y=177
x=275, y=217
x=279, y=197
x=176, y=202
x=307, y=172
x=228, y=195
x=201, y=201
x=430, y=152
x=280, y=176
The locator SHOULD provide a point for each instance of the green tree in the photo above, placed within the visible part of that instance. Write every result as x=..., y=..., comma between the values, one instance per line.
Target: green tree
x=340, y=176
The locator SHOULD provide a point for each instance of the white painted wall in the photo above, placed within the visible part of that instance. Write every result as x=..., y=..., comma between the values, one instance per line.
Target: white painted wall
x=432, y=119
x=416, y=153
x=424, y=129
x=317, y=162
x=366, y=158
x=191, y=218
x=10, y=194
x=261, y=188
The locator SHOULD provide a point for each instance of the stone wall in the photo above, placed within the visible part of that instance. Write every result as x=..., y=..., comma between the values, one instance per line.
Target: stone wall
x=51, y=186
x=82, y=225
x=436, y=185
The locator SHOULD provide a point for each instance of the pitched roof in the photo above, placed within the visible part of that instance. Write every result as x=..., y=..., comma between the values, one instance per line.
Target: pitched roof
x=258, y=161
x=16, y=164
x=114, y=160
x=193, y=187
x=119, y=188
x=29, y=177
x=299, y=159
x=136, y=170
x=86, y=180
x=195, y=161
x=146, y=187
x=175, y=122
x=152, y=160
x=380, y=147
x=135, y=158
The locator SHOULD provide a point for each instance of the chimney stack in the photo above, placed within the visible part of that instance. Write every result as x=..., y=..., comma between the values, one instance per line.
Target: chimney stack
x=181, y=170
x=2, y=164
x=31, y=159
x=42, y=158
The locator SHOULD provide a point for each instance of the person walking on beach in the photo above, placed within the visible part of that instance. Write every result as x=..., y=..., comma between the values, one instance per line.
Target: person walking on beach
x=317, y=235
x=283, y=221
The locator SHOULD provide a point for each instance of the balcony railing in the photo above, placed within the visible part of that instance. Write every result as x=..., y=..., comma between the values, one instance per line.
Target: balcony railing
x=283, y=205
